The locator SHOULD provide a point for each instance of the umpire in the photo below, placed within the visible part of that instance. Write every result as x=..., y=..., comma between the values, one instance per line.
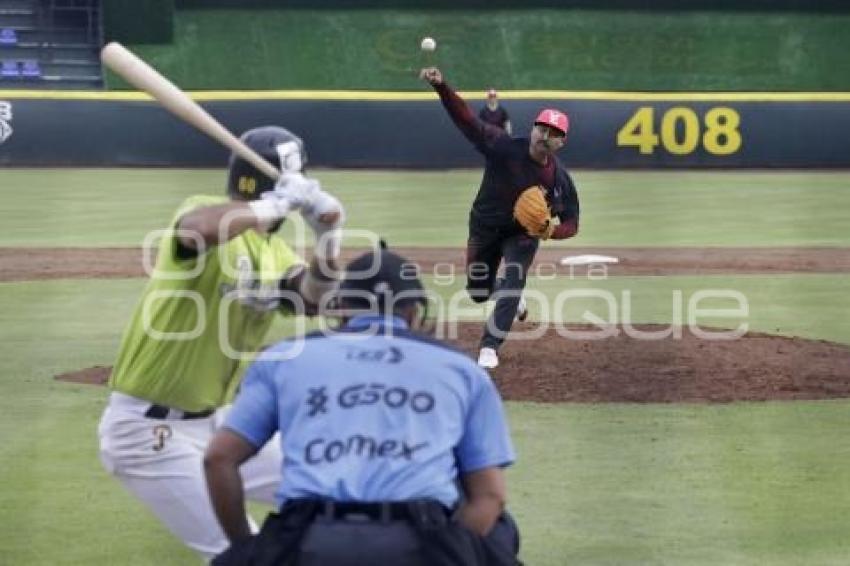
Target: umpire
x=513, y=166
x=378, y=423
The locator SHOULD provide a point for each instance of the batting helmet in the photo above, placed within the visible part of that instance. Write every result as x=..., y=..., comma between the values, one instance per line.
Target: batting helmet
x=278, y=146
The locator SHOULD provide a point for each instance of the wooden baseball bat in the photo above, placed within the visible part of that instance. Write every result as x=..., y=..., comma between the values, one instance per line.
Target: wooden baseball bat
x=146, y=78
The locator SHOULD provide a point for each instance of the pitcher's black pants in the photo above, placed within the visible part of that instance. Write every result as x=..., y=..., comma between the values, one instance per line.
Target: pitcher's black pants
x=485, y=250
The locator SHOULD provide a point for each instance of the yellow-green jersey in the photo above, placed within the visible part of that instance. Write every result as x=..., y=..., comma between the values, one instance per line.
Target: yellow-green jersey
x=197, y=317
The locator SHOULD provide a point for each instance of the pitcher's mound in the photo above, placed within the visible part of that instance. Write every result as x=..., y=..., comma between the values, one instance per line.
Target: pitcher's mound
x=755, y=367
x=555, y=368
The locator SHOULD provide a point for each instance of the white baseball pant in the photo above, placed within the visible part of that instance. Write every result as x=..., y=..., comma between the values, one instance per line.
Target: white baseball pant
x=160, y=461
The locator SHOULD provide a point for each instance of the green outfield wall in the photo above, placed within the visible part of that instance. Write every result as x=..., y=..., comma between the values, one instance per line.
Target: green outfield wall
x=766, y=46
x=138, y=21
x=804, y=5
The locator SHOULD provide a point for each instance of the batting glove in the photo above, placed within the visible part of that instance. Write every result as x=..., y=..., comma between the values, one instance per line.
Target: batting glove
x=272, y=207
x=297, y=188
x=321, y=211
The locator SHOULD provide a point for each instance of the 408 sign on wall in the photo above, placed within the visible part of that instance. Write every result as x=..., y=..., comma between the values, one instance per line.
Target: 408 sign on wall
x=745, y=130
x=682, y=131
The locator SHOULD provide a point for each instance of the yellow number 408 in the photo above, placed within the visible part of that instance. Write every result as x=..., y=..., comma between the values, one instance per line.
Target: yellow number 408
x=721, y=136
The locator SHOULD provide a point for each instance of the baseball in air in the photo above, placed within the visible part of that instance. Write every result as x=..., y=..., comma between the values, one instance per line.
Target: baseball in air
x=428, y=44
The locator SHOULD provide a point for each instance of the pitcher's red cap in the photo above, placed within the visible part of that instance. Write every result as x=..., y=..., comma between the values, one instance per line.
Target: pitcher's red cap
x=554, y=118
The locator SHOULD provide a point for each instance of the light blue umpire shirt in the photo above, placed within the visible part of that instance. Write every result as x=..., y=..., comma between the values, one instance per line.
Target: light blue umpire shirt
x=372, y=413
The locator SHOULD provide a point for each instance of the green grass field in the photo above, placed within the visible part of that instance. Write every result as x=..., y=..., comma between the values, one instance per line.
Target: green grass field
x=743, y=483
x=117, y=207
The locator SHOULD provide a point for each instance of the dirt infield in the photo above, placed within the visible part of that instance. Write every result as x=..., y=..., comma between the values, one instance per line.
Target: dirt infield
x=756, y=367
x=24, y=264
x=554, y=368
x=97, y=375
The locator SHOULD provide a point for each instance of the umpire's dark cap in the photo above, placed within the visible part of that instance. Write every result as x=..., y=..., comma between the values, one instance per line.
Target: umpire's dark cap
x=382, y=279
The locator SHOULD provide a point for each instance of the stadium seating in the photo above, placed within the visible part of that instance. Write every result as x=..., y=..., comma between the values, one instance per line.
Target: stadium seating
x=8, y=37
x=50, y=43
x=30, y=69
x=10, y=70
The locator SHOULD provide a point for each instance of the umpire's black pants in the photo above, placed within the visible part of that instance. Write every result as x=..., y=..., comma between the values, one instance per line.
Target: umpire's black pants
x=352, y=543
x=333, y=542
x=485, y=249
x=417, y=533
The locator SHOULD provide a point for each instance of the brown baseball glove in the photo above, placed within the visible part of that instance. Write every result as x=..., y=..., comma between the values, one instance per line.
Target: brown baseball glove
x=533, y=213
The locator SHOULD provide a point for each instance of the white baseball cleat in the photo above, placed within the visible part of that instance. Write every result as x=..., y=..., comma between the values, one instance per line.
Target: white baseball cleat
x=522, y=310
x=487, y=358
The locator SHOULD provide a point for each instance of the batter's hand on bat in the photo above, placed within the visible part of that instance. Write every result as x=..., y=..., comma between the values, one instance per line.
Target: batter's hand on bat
x=296, y=187
x=307, y=194
x=431, y=75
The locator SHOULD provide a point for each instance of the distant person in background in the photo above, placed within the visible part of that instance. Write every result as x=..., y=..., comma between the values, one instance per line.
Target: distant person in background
x=494, y=113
